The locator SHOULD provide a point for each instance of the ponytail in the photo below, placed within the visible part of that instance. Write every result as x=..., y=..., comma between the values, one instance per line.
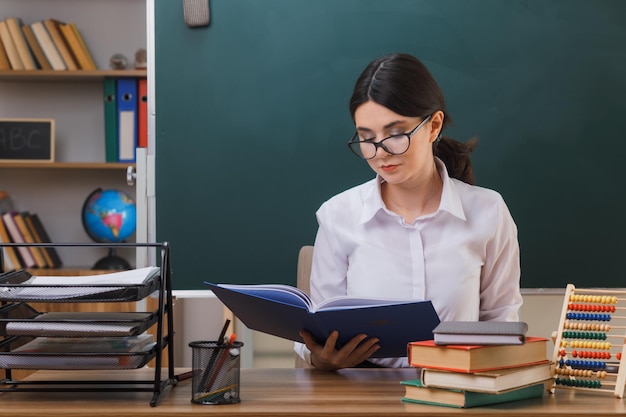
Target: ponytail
x=456, y=156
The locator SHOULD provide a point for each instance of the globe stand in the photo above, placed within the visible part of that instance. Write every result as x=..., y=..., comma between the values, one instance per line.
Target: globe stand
x=112, y=262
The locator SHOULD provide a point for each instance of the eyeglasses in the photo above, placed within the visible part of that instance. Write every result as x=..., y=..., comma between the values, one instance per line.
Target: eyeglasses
x=394, y=145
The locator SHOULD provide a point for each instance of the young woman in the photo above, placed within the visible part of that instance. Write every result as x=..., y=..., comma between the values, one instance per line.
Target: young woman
x=420, y=229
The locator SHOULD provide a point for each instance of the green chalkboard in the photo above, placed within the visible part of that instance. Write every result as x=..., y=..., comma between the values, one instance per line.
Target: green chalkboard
x=252, y=120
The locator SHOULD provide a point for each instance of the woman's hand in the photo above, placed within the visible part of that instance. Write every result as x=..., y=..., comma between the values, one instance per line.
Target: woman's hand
x=329, y=358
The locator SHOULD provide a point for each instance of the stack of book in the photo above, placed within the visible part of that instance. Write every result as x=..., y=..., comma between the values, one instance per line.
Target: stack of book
x=479, y=371
x=47, y=44
x=26, y=227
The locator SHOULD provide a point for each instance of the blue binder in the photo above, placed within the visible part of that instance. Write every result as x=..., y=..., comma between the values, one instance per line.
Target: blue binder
x=127, y=119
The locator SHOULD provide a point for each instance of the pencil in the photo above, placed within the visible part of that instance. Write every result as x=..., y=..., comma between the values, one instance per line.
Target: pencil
x=214, y=355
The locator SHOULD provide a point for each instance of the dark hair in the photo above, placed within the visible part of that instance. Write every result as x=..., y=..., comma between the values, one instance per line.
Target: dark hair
x=403, y=84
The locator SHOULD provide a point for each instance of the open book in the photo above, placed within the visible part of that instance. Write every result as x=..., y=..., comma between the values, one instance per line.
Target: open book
x=282, y=310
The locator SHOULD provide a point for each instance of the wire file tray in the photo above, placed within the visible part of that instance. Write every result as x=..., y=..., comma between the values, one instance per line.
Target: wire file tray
x=21, y=325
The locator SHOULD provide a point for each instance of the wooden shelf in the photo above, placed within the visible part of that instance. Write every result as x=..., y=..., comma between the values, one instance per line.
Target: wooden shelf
x=76, y=75
x=67, y=165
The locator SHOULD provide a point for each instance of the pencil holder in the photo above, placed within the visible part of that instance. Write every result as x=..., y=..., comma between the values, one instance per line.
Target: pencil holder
x=216, y=370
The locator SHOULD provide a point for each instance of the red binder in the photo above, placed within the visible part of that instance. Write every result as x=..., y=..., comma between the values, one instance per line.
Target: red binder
x=142, y=89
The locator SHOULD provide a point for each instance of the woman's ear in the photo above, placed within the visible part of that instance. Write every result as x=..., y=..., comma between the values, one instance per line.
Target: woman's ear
x=436, y=124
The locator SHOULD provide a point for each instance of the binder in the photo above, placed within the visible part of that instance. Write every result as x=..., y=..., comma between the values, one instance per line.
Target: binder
x=142, y=113
x=110, y=119
x=126, y=119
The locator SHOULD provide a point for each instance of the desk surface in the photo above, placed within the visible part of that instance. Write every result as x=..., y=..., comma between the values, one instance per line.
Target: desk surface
x=293, y=392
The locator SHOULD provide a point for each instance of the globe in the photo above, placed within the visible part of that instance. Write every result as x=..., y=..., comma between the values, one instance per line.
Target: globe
x=109, y=216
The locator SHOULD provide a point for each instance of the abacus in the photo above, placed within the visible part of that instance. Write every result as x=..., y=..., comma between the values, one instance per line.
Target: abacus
x=588, y=351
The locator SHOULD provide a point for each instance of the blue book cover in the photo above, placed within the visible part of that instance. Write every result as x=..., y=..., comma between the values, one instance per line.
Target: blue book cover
x=282, y=311
x=127, y=119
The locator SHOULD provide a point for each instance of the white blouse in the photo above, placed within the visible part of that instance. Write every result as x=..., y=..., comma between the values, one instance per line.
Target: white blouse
x=464, y=257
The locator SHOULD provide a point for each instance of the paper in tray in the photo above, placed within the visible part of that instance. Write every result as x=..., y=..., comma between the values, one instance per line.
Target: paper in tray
x=129, y=285
x=70, y=324
x=26, y=353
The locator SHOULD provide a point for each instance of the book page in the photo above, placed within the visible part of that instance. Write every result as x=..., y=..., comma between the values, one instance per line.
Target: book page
x=345, y=302
x=277, y=292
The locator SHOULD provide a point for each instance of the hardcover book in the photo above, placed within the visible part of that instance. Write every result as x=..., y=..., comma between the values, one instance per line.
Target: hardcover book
x=417, y=393
x=480, y=333
x=9, y=47
x=21, y=45
x=54, y=29
x=282, y=310
x=48, y=46
x=477, y=358
x=35, y=47
x=43, y=237
x=81, y=55
x=27, y=236
x=493, y=382
x=27, y=259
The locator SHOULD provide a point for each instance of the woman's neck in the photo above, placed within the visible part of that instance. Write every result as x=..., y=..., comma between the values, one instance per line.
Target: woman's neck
x=420, y=198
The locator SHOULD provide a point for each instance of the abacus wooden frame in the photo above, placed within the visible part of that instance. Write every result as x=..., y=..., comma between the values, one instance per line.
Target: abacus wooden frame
x=620, y=380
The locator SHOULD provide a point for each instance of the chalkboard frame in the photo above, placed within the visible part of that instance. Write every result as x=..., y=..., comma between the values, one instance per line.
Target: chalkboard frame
x=48, y=141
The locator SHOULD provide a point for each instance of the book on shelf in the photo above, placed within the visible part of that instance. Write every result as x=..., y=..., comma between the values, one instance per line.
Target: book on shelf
x=28, y=238
x=26, y=258
x=48, y=46
x=493, y=382
x=4, y=59
x=11, y=260
x=37, y=239
x=81, y=55
x=283, y=310
x=9, y=47
x=21, y=45
x=477, y=358
x=83, y=44
x=415, y=392
x=35, y=47
x=480, y=333
x=54, y=30
x=41, y=236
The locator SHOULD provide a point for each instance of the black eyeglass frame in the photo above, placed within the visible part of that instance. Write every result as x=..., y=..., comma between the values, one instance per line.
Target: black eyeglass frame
x=381, y=143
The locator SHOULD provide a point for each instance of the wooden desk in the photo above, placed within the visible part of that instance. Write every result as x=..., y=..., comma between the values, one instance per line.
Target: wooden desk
x=290, y=392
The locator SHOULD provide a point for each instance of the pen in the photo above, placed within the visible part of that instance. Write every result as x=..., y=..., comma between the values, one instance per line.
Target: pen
x=214, y=354
x=215, y=372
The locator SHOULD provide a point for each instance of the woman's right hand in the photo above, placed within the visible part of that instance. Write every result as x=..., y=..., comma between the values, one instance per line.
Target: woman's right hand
x=328, y=358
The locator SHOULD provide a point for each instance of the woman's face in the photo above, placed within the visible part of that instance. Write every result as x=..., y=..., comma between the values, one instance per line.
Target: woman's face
x=377, y=122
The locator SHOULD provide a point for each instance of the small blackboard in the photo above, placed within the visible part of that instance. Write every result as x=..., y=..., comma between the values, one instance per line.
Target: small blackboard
x=27, y=140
